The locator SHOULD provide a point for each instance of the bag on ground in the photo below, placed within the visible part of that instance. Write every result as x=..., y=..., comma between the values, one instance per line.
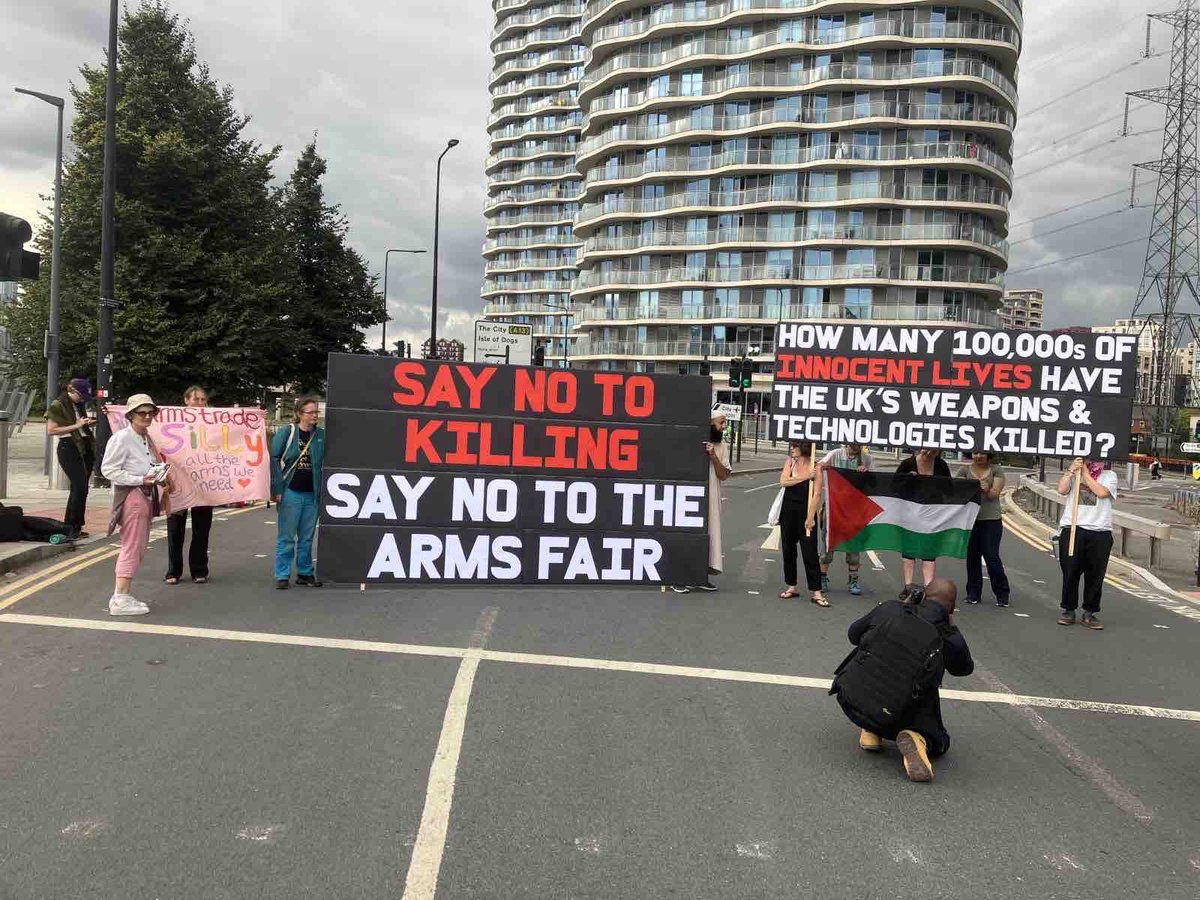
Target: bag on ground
x=10, y=523
x=42, y=529
x=883, y=678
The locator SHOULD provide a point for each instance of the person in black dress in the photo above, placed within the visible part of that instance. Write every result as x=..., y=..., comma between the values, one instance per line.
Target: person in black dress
x=798, y=521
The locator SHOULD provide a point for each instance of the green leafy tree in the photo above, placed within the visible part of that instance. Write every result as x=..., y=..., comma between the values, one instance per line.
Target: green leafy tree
x=329, y=295
x=195, y=216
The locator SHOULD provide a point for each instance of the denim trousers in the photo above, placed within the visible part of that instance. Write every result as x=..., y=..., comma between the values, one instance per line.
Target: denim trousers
x=297, y=517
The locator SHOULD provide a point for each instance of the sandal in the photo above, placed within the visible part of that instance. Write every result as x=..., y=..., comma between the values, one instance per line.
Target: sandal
x=819, y=601
x=789, y=594
x=171, y=579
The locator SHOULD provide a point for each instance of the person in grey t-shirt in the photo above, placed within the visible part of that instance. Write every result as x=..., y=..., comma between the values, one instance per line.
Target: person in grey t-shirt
x=984, y=545
x=857, y=458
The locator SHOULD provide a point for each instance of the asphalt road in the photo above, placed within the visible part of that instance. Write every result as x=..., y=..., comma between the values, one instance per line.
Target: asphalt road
x=239, y=743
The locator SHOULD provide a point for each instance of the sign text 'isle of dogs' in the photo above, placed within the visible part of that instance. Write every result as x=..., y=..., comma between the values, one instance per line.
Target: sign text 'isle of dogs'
x=502, y=343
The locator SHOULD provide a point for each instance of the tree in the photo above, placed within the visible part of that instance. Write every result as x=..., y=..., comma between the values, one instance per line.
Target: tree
x=195, y=216
x=329, y=295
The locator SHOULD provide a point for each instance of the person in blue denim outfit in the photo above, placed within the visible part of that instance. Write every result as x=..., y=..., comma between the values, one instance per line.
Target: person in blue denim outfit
x=297, y=454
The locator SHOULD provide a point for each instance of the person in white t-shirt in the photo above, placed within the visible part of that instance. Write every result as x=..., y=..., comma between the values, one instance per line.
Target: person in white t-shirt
x=1093, y=539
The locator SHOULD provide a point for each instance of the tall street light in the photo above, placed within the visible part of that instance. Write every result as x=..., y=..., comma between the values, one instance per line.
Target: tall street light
x=566, y=338
x=437, y=200
x=108, y=300
x=55, y=267
x=383, y=338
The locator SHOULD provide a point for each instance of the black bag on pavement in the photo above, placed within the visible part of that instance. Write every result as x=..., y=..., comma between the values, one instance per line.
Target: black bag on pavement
x=41, y=529
x=10, y=523
x=883, y=678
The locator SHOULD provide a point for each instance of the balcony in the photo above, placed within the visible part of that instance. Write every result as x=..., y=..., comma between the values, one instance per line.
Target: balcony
x=563, y=56
x=521, y=152
x=535, y=82
x=541, y=126
x=523, y=108
x=554, y=193
x=594, y=315
x=817, y=35
x=592, y=280
x=572, y=9
x=528, y=242
x=532, y=40
x=510, y=219
x=842, y=152
x=681, y=236
x=785, y=196
x=692, y=52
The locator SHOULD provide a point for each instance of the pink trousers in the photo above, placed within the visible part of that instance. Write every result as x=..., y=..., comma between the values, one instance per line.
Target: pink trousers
x=135, y=532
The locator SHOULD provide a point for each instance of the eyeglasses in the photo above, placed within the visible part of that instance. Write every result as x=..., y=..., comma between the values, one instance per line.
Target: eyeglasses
x=309, y=412
x=145, y=413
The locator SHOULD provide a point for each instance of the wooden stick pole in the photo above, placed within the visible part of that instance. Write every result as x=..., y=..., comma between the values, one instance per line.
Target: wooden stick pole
x=1075, y=511
x=812, y=484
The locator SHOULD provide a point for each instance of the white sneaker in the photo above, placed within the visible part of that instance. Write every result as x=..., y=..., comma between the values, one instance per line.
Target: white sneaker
x=125, y=605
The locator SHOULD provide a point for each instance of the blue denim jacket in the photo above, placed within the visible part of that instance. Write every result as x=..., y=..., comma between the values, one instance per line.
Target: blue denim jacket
x=283, y=458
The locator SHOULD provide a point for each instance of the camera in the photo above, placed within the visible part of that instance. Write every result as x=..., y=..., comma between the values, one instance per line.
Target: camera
x=912, y=595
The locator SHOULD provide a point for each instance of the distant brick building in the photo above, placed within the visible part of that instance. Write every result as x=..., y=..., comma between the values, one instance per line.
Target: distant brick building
x=449, y=350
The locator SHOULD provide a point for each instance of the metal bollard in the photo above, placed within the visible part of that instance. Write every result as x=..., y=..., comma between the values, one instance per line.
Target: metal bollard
x=4, y=431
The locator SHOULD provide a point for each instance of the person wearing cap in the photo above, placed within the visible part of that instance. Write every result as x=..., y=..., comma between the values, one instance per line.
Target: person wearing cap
x=130, y=461
x=68, y=418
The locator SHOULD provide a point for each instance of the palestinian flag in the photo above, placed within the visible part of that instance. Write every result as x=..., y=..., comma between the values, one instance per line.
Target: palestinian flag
x=920, y=516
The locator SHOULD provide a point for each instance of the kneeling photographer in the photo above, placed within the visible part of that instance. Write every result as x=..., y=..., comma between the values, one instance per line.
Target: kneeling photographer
x=888, y=685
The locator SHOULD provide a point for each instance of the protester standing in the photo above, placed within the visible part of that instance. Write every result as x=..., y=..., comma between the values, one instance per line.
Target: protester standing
x=1093, y=539
x=984, y=544
x=202, y=516
x=297, y=454
x=802, y=497
x=1156, y=469
x=68, y=417
x=928, y=463
x=717, y=450
x=130, y=458
x=855, y=458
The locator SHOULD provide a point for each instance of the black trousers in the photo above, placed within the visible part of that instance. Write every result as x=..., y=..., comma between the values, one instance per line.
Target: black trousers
x=78, y=469
x=1090, y=562
x=198, y=553
x=984, y=547
x=791, y=533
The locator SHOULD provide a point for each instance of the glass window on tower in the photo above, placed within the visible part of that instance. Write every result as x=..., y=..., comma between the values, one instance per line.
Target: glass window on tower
x=858, y=303
x=691, y=84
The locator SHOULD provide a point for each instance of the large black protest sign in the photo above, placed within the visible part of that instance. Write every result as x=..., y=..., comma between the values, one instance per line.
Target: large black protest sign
x=955, y=388
x=453, y=472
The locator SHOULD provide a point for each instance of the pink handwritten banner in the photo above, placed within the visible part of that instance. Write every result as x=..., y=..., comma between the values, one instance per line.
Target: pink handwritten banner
x=218, y=455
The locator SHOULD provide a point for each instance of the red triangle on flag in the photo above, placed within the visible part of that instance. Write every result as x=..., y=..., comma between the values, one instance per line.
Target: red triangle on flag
x=850, y=510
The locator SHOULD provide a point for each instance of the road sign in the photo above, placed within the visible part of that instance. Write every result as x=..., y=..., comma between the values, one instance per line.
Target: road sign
x=730, y=411
x=1189, y=448
x=501, y=342
x=1196, y=471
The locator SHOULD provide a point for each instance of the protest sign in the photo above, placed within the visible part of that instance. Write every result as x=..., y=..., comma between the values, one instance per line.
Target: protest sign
x=218, y=455
x=455, y=472
x=962, y=389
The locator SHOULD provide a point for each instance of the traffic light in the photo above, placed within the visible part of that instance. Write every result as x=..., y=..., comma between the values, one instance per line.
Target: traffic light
x=735, y=373
x=539, y=355
x=749, y=367
x=705, y=368
x=1196, y=429
x=401, y=347
x=16, y=263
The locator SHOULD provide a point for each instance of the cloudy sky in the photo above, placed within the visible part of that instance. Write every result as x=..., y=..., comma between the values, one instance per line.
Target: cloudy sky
x=385, y=83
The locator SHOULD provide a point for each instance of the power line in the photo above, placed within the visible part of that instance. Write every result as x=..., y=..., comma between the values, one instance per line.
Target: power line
x=1092, y=83
x=1063, y=259
x=1059, y=212
x=1105, y=215
x=1067, y=137
x=1086, y=150
x=1072, y=47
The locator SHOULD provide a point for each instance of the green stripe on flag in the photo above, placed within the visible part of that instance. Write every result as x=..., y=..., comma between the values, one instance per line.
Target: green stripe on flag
x=934, y=545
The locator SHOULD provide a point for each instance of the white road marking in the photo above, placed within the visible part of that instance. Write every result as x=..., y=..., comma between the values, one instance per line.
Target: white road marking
x=1164, y=627
x=259, y=834
x=1115, y=792
x=1038, y=581
x=426, y=861
x=752, y=593
x=756, y=850
x=587, y=845
x=876, y=561
x=1021, y=615
x=903, y=853
x=84, y=828
x=1062, y=862
x=762, y=487
x=577, y=662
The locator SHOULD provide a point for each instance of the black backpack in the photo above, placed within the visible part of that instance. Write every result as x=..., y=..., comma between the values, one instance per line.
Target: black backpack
x=883, y=679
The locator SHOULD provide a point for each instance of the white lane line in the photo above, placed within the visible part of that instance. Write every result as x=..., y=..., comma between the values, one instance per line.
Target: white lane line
x=426, y=861
x=579, y=662
x=1115, y=792
x=761, y=487
x=875, y=561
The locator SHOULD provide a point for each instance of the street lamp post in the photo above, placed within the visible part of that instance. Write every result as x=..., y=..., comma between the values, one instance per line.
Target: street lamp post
x=566, y=339
x=52, y=327
x=383, y=338
x=437, y=201
x=108, y=300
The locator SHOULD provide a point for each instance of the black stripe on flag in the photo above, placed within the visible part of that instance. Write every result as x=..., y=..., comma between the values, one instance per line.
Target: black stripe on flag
x=927, y=490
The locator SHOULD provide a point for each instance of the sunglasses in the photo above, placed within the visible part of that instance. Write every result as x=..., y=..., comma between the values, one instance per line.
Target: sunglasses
x=146, y=413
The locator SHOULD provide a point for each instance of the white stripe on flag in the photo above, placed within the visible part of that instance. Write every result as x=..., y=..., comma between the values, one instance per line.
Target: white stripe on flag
x=925, y=519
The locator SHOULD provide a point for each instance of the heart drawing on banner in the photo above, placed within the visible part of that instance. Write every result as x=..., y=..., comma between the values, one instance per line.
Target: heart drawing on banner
x=243, y=482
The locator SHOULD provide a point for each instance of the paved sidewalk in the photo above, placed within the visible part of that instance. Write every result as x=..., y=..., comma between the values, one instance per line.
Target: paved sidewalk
x=29, y=489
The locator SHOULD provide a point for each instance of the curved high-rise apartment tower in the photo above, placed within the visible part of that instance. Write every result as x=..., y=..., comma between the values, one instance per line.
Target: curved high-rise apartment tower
x=533, y=183
x=748, y=161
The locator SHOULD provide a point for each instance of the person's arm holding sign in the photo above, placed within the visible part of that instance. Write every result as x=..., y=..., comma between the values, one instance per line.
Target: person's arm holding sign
x=815, y=499
x=723, y=471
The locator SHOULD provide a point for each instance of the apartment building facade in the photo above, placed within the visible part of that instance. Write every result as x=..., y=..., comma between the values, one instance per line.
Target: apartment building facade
x=1023, y=309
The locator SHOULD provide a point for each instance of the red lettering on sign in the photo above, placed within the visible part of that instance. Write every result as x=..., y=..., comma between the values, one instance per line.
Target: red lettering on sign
x=411, y=390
